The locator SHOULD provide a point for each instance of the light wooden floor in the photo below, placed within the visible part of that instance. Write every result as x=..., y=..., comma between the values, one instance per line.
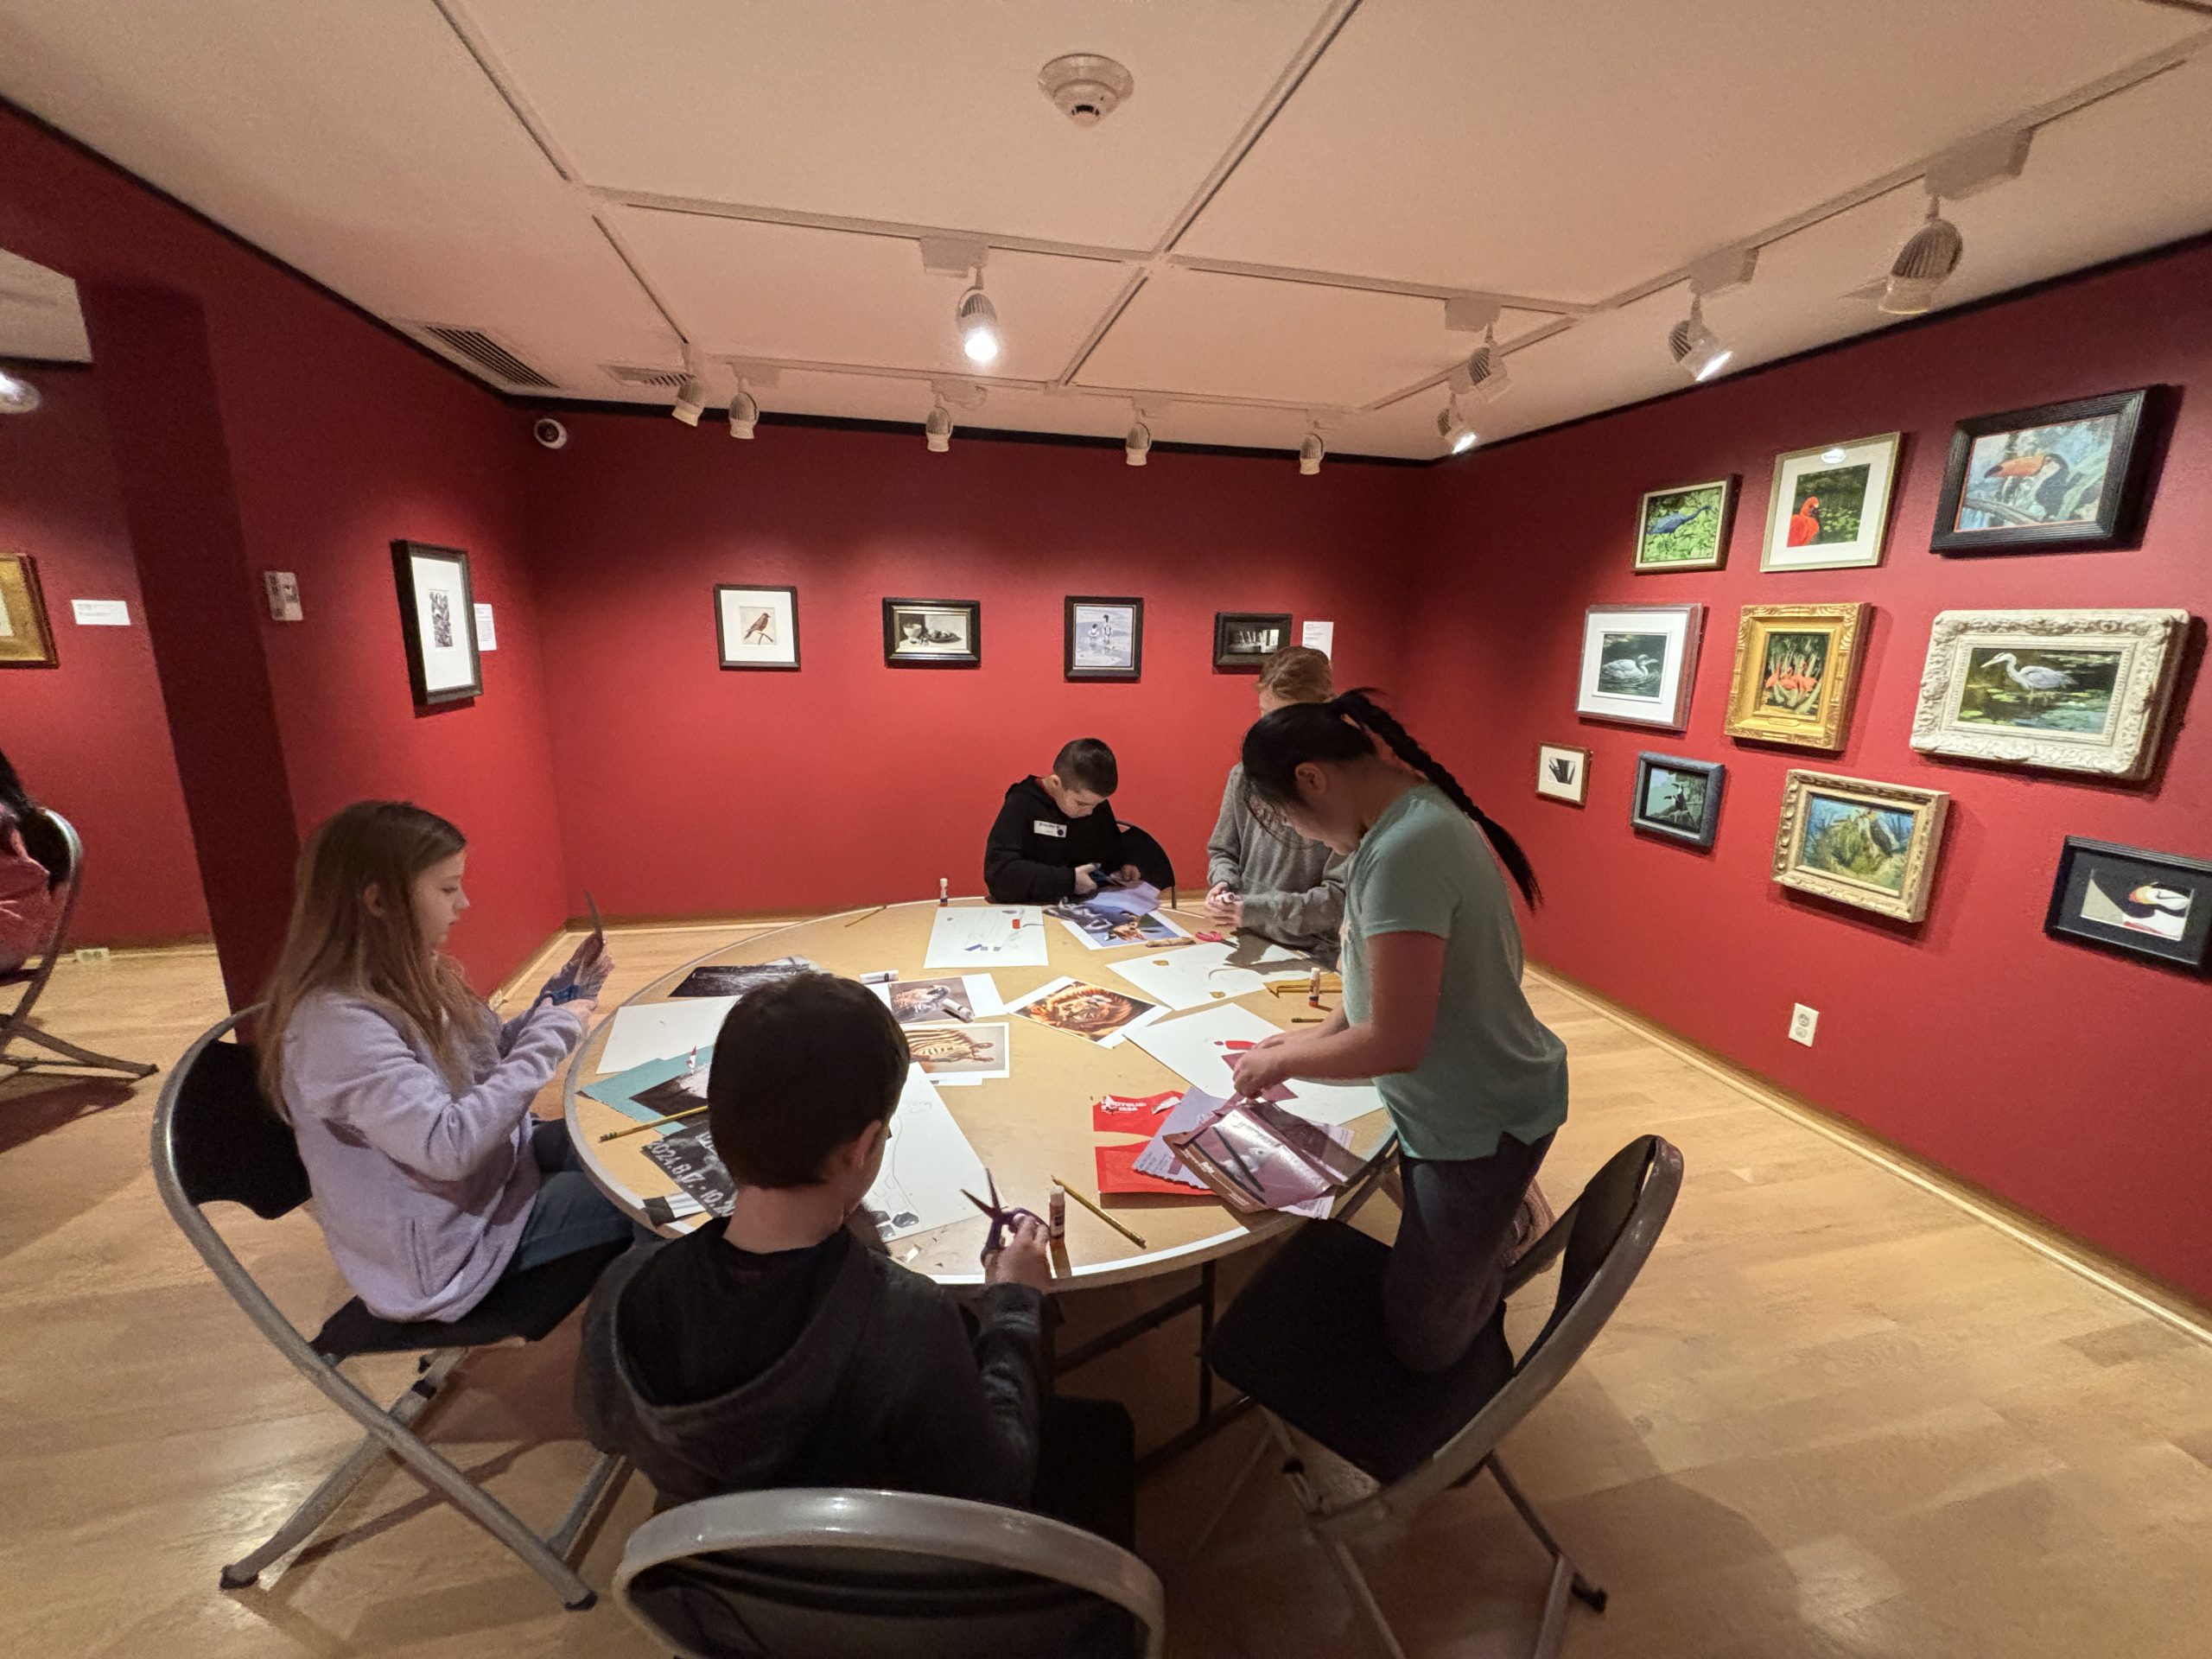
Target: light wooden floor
x=1836, y=1417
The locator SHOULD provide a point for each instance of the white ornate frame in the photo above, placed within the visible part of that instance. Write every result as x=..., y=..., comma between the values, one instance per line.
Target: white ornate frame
x=1929, y=808
x=2141, y=694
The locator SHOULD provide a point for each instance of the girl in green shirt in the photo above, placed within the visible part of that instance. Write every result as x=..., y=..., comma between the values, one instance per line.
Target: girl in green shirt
x=1432, y=1009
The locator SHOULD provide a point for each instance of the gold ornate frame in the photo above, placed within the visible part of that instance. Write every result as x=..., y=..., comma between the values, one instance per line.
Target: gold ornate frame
x=1929, y=808
x=1831, y=718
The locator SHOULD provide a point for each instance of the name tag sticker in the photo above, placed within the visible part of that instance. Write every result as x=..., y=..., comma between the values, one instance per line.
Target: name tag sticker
x=1047, y=827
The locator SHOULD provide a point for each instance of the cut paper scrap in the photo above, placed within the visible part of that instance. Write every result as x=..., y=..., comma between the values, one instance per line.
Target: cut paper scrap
x=1192, y=977
x=1103, y=1016
x=927, y=1162
x=657, y=1089
x=1131, y=1114
x=942, y=998
x=1100, y=930
x=1117, y=1172
x=657, y=1030
x=1203, y=1048
x=1157, y=1159
x=987, y=935
x=1138, y=898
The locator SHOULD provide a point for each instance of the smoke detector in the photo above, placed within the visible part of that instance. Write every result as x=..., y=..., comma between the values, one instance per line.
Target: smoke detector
x=1086, y=87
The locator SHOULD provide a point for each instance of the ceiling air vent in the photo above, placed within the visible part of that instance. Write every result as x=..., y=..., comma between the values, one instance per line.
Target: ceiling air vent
x=629, y=374
x=486, y=353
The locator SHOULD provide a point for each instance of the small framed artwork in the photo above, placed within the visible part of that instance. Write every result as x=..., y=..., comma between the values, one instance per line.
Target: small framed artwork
x=1796, y=667
x=2067, y=690
x=2058, y=478
x=1686, y=528
x=1859, y=843
x=26, y=635
x=437, y=614
x=2142, y=904
x=1639, y=663
x=1830, y=506
x=757, y=627
x=933, y=632
x=1563, y=773
x=1247, y=639
x=1104, y=638
x=1677, y=798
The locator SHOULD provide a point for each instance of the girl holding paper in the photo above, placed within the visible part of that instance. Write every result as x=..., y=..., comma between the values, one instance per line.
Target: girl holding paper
x=408, y=1099
x=1433, y=1007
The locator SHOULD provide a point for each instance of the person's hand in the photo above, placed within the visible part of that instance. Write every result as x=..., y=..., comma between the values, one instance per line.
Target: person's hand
x=1020, y=1259
x=1220, y=890
x=1263, y=1065
x=1228, y=907
x=1086, y=879
x=1129, y=875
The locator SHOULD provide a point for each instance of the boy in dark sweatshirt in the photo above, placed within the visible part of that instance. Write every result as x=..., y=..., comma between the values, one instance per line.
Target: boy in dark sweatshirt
x=1056, y=836
x=777, y=1348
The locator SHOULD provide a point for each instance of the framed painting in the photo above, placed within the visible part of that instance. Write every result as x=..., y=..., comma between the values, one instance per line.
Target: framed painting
x=1858, y=842
x=2058, y=478
x=1103, y=638
x=933, y=632
x=757, y=627
x=2138, y=903
x=1830, y=506
x=1563, y=773
x=1639, y=663
x=1797, y=669
x=2066, y=690
x=26, y=634
x=437, y=616
x=1247, y=639
x=1686, y=528
x=1677, y=798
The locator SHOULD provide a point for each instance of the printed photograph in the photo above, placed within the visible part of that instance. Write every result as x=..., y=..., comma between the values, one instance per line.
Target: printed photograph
x=1106, y=928
x=1247, y=639
x=2039, y=689
x=1854, y=842
x=1674, y=798
x=1684, y=529
x=1631, y=664
x=735, y=979
x=1105, y=637
x=2037, y=475
x=931, y=632
x=926, y=631
x=924, y=1002
x=678, y=1094
x=691, y=1160
x=1090, y=1011
x=957, y=1052
x=1794, y=673
x=1828, y=505
x=2151, y=907
x=1562, y=772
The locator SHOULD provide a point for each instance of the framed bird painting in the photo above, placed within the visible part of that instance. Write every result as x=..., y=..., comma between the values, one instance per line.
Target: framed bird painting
x=2064, y=691
x=2061, y=478
x=1830, y=506
x=1860, y=842
x=1797, y=669
x=2138, y=903
x=1685, y=528
x=1639, y=663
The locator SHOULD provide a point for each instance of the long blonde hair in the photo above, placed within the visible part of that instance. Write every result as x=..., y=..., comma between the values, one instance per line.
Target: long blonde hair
x=1297, y=674
x=336, y=942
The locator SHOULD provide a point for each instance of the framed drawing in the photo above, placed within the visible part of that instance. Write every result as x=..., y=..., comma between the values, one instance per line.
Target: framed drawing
x=1104, y=638
x=933, y=632
x=757, y=627
x=1830, y=506
x=1686, y=528
x=2141, y=904
x=26, y=635
x=1869, y=844
x=1677, y=798
x=1639, y=663
x=1563, y=773
x=1796, y=668
x=1247, y=639
x=2068, y=690
x=437, y=616
x=2058, y=478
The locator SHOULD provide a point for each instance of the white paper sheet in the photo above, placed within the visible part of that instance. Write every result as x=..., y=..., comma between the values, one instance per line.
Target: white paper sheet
x=1192, y=1047
x=1191, y=976
x=661, y=1031
x=925, y=1167
x=943, y=996
x=987, y=935
x=1118, y=1000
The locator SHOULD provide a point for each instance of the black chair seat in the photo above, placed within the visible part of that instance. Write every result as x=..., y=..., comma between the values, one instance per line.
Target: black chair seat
x=1305, y=1339
x=529, y=1305
x=1140, y=848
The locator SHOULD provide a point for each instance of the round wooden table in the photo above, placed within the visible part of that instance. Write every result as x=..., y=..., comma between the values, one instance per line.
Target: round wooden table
x=1027, y=1128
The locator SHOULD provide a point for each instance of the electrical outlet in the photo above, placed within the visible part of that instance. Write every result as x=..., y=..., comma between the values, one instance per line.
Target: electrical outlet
x=1804, y=1021
x=92, y=953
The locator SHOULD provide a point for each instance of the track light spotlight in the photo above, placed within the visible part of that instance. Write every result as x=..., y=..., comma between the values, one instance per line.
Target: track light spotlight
x=979, y=325
x=1697, y=350
x=1930, y=254
x=1137, y=445
x=744, y=413
x=17, y=394
x=1488, y=379
x=1310, y=452
x=690, y=400
x=1458, y=435
x=937, y=431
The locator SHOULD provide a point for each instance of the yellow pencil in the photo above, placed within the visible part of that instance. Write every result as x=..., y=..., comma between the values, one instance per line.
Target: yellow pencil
x=865, y=914
x=653, y=1124
x=1133, y=1237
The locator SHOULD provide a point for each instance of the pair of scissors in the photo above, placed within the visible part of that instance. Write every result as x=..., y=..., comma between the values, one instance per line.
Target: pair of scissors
x=1000, y=1216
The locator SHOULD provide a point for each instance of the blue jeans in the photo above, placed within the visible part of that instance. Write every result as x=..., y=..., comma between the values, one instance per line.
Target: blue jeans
x=570, y=1213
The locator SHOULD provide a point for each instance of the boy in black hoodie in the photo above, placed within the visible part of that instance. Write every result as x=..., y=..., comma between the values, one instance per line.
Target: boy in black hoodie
x=778, y=1348
x=1056, y=836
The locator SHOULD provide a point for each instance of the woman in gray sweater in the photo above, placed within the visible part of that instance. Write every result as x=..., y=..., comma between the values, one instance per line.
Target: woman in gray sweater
x=1271, y=881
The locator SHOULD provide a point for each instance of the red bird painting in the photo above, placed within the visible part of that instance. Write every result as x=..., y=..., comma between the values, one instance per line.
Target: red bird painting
x=1805, y=523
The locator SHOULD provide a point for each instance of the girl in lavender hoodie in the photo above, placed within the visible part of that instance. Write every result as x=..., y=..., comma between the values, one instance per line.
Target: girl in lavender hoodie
x=410, y=1100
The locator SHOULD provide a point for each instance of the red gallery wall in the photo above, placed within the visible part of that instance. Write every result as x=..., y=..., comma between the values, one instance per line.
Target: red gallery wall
x=2071, y=1082
x=89, y=735
x=689, y=789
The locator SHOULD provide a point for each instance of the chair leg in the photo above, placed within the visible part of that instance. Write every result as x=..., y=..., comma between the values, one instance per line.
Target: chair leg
x=72, y=1055
x=1582, y=1587
x=1244, y=1473
x=1355, y=1582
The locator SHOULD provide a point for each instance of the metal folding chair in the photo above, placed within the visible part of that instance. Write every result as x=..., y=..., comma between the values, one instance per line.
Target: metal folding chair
x=53, y=841
x=216, y=1138
x=813, y=1573
x=1305, y=1341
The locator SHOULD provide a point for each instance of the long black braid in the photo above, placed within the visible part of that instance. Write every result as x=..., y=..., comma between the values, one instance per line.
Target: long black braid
x=1343, y=729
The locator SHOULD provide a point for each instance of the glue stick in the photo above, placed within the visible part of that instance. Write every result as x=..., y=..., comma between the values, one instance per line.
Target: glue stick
x=944, y=890
x=1055, y=1215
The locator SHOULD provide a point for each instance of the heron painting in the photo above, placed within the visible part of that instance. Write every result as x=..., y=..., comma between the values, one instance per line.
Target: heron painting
x=1861, y=842
x=1854, y=842
x=2038, y=689
x=1686, y=528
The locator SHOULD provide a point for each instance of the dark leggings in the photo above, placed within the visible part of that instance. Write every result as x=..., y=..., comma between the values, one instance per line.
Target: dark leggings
x=1447, y=1270
x=569, y=1214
